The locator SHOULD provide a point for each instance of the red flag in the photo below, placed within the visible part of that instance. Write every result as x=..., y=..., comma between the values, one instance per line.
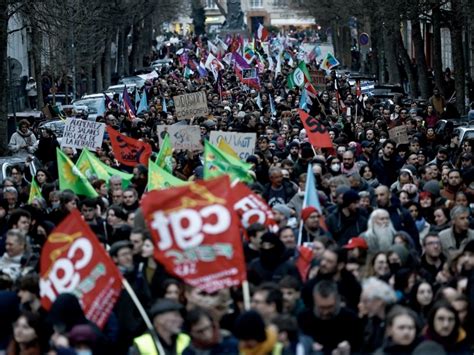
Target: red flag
x=318, y=134
x=262, y=33
x=73, y=260
x=303, y=262
x=196, y=233
x=251, y=208
x=129, y=151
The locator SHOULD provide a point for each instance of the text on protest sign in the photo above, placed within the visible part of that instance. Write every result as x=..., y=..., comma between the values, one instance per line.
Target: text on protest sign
x=83, y=134
x=181, y=136
x=242, y=143
x=399, y=134
x=191, y=105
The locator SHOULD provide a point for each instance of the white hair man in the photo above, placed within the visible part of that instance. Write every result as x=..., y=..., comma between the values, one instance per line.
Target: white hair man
x=380, y=231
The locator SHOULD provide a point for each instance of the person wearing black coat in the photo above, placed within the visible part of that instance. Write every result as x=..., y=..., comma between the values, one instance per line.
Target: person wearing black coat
x=386, y=168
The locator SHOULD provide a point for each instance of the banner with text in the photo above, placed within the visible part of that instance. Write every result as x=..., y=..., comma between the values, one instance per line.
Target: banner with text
x=74, y=261
x=191, y=105
x=242, y=143
x=196, y=233
x=83, y=134
x=181, y=136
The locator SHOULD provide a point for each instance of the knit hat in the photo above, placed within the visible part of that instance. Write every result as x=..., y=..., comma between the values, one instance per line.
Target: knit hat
x=164, y=305
x=429, y=347
x=401, y=251
x=306, y=212
x=250, y=326
x=357, y=242
x=341, y=190
x=432, y=186
x=283, y=209
x=350, y=197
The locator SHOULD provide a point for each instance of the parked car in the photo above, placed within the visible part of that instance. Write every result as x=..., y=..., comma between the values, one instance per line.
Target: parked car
x=135, y=81
x=95, y=104
x=118, y=89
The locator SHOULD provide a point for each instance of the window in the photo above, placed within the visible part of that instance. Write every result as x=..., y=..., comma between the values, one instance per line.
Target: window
x=256, y=3
x=210, y=4
x=280, y=3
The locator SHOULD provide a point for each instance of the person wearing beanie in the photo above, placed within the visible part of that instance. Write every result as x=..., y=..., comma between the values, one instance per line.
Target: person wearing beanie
x=272, y=264
x=282, y=214
x=254, y=337
x=167, y=322
x=312, y=229
x=348, y=219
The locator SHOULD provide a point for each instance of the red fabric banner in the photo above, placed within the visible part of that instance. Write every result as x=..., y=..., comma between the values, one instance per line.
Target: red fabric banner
x=196, y=233
x=129, y=151
x=317, y=134
x=73, y=261
x=251, y=208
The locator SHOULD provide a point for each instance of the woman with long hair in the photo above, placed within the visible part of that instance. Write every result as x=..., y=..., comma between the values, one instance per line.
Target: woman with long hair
x=26, y=335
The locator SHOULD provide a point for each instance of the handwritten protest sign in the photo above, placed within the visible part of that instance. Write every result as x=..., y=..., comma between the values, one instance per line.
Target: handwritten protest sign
x=83, y=134
x=181, y=137
x=191, y=105
x=399, y=134
x=242, y=143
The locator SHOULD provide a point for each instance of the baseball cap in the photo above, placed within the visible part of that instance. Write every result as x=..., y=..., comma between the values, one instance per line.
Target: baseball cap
x=356, y=242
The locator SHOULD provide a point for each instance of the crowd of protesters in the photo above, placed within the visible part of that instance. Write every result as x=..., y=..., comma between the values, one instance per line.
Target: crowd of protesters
x=391, y=268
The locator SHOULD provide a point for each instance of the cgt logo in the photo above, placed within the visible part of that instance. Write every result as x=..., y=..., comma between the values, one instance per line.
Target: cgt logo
x=189, y=226
x=64, y=275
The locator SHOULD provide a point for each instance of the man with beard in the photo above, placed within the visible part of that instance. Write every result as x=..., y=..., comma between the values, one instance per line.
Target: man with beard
x=206, y=336
x=278, y=191
x=332, y=326
x=380, y=232
x=453, y=186
x=294, y=148
x=348, y=163
x=400, y=217
x=139, y=180
x=310, y=217
x=333, y=267
x=432, y=260
x=386, y=167
x=347, y=220
x=271, y=265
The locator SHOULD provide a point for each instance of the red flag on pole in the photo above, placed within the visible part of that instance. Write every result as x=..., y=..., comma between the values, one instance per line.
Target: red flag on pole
x=129, y=151
x=251, y=208
x=196, y=233
x=73, y=260
x=318, y=134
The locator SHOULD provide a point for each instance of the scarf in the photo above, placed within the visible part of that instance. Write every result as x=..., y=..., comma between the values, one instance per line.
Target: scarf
x=264, y=347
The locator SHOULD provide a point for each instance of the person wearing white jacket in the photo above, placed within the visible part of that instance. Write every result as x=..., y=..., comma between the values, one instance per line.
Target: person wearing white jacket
x=23, y=142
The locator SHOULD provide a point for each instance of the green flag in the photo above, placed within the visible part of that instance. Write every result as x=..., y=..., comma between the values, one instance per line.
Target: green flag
x=165, y=155
x=159, y=178
x=35, y=191
x=297, y=76
x=90, y=166
x=217, y=163
x=70, y=177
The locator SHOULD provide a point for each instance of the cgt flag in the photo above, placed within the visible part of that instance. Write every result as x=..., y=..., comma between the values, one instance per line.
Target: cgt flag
x=196, y=233
x=129, y=151
x=73, y=261
x=318, y=134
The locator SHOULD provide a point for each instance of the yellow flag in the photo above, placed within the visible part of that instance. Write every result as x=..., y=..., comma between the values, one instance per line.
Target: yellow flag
x=226, y=148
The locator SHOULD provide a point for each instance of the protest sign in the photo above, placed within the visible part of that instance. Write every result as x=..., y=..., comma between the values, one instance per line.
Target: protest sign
x=319, y=79
x=196, y=233
x=181, y=136
x=73, y=261
x=399, y=134
x=191, y=105
x=83, y=134
x=242, y=143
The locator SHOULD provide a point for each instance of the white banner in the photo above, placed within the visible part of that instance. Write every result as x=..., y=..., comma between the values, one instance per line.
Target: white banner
x=181, y=136
x=242, y=143
x=83, y=134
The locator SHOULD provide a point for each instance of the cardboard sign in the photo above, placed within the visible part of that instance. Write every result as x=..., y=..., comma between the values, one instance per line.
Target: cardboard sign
x=319, y=79
x=191, y=105
x=399, y=134
x=196, y=233
x=73, y=261
x=181, y=137
x=242, y=143
x=83, y=134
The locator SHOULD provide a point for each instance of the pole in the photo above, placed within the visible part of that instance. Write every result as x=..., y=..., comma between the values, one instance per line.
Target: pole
x=246, y=294
x=142, y=311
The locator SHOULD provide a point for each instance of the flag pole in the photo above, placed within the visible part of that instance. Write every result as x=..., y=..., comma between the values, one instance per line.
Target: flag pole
x=144, y=315
x=246, y=294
